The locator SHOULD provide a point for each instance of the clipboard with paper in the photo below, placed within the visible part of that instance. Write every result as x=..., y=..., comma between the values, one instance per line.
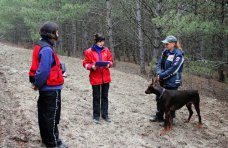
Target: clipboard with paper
x=101, y=63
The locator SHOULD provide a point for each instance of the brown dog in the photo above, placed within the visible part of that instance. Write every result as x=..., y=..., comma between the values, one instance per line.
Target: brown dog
x=173, y=100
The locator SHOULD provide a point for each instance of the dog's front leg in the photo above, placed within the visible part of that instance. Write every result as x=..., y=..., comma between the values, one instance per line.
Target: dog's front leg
x=167, y=125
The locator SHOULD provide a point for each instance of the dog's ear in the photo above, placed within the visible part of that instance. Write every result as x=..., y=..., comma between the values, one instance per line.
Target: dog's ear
x=152, y=82
x=156, y=80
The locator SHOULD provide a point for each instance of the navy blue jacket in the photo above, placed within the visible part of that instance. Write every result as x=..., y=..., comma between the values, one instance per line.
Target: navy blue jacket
x=169, y=67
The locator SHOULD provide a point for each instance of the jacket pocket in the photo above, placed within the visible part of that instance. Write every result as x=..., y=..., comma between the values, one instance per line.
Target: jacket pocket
x=55, y=78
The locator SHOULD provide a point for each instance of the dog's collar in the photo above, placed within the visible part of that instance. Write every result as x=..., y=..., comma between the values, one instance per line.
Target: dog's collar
x=163, y=90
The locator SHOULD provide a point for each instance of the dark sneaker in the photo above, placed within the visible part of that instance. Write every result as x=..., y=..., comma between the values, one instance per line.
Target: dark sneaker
x=162, y=124
x=60, y=144
x=174, y=121
x=155, y=119
x=63, y=145
x=96, y=120
x=107, y=119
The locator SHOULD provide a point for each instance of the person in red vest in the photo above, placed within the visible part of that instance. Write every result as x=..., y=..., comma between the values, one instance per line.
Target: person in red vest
x=46, y=76
x=98, y=60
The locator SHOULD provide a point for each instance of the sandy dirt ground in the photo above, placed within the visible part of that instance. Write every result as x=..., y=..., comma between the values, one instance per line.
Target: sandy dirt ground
x=129, y=108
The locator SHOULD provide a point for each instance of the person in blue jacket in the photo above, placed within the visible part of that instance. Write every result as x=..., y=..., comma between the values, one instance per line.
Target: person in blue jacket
x=169, y=72
x=46, y=76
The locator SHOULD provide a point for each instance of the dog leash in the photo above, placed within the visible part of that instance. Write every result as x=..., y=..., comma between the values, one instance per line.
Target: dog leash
x=162, y=93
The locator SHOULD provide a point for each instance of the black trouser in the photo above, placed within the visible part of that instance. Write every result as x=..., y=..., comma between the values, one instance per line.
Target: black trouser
x=160, y=112
x=49, y=107
x=100, y=92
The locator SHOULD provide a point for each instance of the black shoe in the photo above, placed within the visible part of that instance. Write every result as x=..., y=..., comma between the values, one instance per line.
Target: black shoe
x=162, y=124
x=156, y=119
x=174, y=121
x=96, y=120
x=62, y=145
x=106, y=118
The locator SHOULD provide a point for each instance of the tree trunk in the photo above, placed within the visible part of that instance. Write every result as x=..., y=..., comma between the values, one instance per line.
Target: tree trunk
x=221, y=17
x=60, y=41
x=109, y=23
x=74, y=37
x=157, y=43
x=140, y=37
x=221, y=73
x=157, y=35
x=221, y=39
x=67, y=38
x=85, y=36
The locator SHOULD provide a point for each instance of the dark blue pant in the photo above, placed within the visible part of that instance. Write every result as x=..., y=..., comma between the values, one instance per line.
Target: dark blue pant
x=100, y=100
x=160, y=112
x=49, y=108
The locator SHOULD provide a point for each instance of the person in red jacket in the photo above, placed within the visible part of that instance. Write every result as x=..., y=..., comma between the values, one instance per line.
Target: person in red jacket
x=45, y=75
x=98, y=60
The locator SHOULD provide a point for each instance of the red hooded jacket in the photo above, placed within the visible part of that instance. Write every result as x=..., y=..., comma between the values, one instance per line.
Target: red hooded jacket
x=102, y=74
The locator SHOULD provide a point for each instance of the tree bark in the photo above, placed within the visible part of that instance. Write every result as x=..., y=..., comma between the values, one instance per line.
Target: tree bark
x=60, y=41
x=85, y=36
x=220, y=38
x=109, y=25
x=157, y=35
x=74, y=37
x=140, y=37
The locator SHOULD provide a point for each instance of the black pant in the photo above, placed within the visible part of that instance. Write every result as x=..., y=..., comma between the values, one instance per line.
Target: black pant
x=100, y=92
x=160, y=112
x=49, y=108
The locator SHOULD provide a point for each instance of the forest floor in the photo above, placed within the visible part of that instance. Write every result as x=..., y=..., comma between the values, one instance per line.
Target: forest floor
x=129, y=108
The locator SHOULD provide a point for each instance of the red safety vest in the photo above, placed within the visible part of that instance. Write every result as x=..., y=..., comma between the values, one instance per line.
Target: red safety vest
x=55, y=77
